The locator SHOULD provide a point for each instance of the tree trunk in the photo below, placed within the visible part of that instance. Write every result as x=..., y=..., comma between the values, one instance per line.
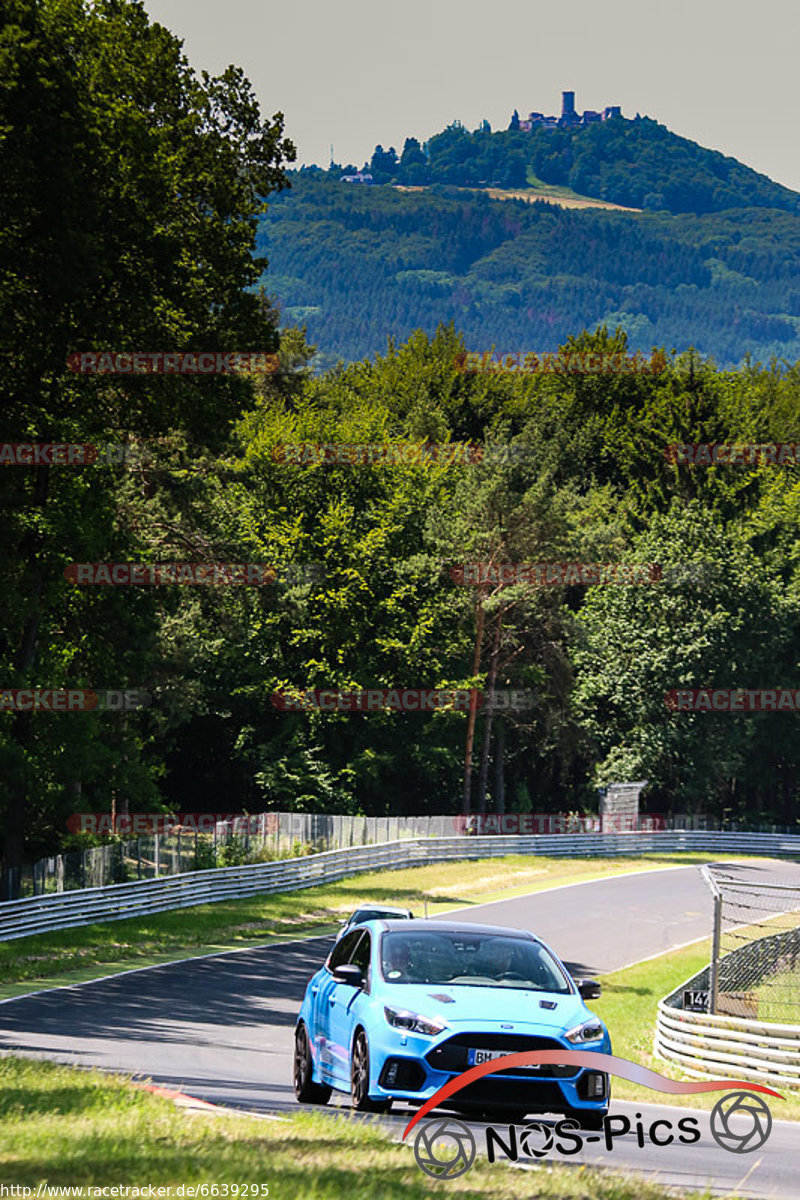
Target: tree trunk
x=476, y=662
x=499, y=777
x=483, y=777
x=21, y=728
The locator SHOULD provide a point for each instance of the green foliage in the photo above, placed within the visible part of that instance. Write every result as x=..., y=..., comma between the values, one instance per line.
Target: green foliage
x=670, y=173
x=131, y=193
x=128, y=220
x=232, y=852
x=205, y=856
x=724, y=618
x=375, y=262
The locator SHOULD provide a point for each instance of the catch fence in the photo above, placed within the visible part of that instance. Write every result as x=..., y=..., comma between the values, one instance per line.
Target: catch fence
x=260, y=837
x=741, y=1013
x=755, y=958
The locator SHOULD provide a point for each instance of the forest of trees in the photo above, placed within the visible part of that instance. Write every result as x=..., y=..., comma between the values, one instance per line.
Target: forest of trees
x=357, y=263
x=142, y=239
x=671, y=173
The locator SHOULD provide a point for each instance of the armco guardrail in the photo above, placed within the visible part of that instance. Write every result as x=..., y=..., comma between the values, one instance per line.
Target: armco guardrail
x=65, y=910
x=705, y=1044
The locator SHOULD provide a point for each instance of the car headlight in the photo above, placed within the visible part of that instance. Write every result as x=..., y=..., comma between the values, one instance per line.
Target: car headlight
x=412, y=1022
x=588, y=1031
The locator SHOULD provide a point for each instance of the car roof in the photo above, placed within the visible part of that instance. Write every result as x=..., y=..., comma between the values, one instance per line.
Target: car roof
x=381, y=908
x=420, y=926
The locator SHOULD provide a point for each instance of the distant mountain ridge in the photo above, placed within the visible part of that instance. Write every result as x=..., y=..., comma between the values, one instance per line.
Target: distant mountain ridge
x=637, y=163
x=712, y=262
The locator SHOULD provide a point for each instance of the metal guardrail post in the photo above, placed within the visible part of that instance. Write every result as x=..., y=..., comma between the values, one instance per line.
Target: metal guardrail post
x=715, y=945
x=716, y=938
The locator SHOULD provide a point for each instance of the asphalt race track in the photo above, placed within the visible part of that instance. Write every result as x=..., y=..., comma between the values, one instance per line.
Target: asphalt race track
x=221, y=1028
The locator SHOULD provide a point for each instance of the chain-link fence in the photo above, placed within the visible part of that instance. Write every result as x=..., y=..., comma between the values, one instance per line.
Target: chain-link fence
x=119, y=862
x=755, y=961
x=260, y=837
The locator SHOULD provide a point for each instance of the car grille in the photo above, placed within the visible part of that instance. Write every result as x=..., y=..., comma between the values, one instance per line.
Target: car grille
x=452, y=1055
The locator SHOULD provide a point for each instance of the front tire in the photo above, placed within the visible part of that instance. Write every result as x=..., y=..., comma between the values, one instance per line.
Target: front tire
x=305, y=1089
x=359, y=1078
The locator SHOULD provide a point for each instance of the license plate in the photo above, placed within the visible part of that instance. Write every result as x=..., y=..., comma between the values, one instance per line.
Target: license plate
x=476, y=1057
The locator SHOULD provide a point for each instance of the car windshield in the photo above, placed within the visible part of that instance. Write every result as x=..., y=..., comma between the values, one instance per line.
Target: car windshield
x=471, y=959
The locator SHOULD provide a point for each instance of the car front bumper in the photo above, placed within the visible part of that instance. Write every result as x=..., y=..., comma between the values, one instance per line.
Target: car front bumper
x=409, y=1066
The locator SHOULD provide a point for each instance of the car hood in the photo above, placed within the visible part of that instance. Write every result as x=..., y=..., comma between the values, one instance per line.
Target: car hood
x=464, y=1005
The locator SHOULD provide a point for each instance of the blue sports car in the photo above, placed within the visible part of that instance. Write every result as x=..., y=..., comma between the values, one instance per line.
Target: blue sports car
x=402, y=1007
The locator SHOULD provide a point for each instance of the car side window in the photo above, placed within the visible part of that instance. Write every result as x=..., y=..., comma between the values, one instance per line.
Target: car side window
x=341, y=952
x=361, y=956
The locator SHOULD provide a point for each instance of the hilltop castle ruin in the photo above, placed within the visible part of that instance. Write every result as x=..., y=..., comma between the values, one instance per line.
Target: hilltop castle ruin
x=569, y=119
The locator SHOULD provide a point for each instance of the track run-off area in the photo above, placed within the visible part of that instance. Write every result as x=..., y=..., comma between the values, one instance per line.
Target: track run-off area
x=221, y=1028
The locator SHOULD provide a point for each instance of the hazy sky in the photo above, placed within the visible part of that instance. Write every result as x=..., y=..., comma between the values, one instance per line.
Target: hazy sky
x=357, y=72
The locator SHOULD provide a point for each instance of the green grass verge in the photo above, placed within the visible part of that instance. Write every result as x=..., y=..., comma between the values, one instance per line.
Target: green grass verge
x=777, y=998
x=558, y=190
x=94, y=951
x=65, y=1127
x=628, y=1007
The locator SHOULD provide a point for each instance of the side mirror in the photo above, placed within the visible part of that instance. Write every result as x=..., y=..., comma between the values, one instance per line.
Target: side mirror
x=589, y=989
x=350, y=974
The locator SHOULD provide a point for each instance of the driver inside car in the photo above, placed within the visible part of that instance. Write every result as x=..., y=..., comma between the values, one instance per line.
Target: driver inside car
x=396, y=959
x=501, y=958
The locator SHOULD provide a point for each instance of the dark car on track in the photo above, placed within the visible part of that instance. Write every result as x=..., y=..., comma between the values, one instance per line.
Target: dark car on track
x=374, y=912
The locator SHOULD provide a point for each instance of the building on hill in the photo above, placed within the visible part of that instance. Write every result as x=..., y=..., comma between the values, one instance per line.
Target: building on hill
x=570, y=118
x=359, y=177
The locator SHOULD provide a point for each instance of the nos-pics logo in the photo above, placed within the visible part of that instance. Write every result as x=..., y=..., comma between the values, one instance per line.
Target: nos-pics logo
x=445, y=1148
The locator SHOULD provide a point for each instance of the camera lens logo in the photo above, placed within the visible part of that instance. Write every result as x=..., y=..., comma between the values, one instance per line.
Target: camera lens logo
x=741, y=1122
x=444, y=1148
x=536, y=1139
